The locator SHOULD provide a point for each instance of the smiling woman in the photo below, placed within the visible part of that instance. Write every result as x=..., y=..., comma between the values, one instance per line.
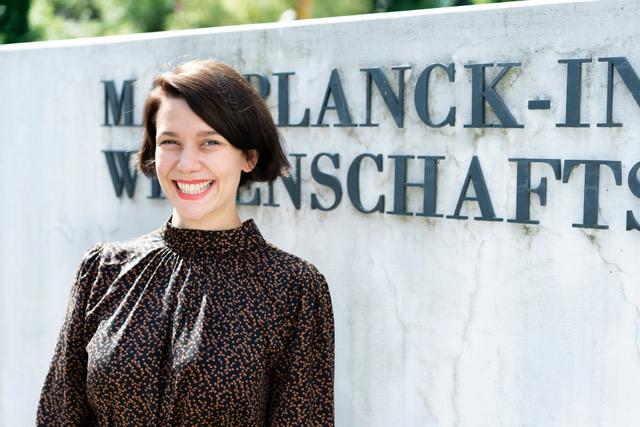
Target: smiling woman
x=198, y=165
x=206, y=123
x=200, y=322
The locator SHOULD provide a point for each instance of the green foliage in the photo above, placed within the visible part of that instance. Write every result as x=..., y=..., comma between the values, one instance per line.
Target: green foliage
x=148, y=15
x=61, y=19
x=323, y=9
x=397, y=5
x=213, y=13
x=14, y=25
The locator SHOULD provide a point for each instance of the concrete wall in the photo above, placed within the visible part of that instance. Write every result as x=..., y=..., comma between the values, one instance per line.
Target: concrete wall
x=439, y=321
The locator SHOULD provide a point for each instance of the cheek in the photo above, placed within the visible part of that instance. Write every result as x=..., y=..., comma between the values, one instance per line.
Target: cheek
x=163, y=163
x=234, y=170
x=229, y=165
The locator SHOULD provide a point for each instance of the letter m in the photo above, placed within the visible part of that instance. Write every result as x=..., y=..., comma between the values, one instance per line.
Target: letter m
x=118, y=105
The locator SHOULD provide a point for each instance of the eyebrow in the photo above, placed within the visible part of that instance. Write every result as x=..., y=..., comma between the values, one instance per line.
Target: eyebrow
x=201, y=133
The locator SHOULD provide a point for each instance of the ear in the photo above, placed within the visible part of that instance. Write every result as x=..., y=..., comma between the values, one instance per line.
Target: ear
x=250, y=160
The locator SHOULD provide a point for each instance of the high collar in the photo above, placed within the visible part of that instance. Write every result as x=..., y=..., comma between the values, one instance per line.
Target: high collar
x=212, y=243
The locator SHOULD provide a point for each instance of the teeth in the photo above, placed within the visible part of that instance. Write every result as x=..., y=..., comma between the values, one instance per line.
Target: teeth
x=193, y=188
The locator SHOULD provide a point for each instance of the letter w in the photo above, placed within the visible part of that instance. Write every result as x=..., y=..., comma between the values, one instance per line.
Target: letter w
x=121, y=174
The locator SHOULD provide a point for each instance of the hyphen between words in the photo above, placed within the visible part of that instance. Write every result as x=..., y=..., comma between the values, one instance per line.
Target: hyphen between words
x=119, y=110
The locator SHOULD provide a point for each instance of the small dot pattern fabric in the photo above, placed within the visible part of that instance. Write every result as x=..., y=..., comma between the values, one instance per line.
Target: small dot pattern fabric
x=184, y=327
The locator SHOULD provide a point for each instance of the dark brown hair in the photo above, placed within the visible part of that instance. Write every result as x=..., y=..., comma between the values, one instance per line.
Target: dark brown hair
x=224, y=100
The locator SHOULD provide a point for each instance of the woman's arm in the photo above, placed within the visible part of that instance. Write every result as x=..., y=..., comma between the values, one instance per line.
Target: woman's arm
x=63, y=400
x=302, y=381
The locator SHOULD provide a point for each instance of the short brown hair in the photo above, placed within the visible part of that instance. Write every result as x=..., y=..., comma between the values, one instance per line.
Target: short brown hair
x=224, y=100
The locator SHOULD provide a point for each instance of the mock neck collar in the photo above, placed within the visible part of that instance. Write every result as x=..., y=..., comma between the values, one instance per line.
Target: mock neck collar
x=211, y=243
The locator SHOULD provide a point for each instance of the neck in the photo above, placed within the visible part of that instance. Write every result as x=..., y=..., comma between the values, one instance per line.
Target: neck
x=216, y=222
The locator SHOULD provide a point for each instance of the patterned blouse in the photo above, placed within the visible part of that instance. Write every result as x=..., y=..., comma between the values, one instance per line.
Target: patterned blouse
x=193, y=327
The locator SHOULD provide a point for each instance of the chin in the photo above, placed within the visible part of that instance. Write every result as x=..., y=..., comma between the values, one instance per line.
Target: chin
x=189, y=214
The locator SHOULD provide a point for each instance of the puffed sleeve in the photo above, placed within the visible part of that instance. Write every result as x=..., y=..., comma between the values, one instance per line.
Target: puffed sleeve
x=63, y=400
x=302, y=382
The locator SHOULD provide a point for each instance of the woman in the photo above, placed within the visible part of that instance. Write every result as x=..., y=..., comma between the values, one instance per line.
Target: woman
x=200, y=322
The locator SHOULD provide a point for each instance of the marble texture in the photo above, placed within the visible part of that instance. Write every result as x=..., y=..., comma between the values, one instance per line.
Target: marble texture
x=439, y=322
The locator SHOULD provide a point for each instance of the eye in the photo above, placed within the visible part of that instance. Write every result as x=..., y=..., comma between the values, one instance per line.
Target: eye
x=212, y=142
x=167, y=141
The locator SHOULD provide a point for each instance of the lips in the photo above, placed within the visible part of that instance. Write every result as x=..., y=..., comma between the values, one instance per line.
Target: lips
x=193, y=189
x=192, y=181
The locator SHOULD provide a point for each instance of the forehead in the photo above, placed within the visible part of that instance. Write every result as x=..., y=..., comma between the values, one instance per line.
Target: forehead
x=174, y=115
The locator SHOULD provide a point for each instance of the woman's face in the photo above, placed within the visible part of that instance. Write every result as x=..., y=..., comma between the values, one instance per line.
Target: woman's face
x=198, y=169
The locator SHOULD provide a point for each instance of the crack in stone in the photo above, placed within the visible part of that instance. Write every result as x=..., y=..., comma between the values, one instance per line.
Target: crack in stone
x=473, y=296
x=454, y=394
x=594, y=241
x=398, y=311
x=428, y=408
x=638, y=333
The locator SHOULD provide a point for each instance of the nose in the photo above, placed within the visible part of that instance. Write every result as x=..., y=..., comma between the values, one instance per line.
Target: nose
x=189, y=161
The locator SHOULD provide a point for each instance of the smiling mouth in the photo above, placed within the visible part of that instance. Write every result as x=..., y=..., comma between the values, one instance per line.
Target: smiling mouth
x=193, y=189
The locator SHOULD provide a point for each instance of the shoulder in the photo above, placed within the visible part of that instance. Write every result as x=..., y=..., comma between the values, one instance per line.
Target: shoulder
x=291, y=272
x=90, y=259
x=282, y=261
x=299, y=291
x=123, y=251
x=105, y=261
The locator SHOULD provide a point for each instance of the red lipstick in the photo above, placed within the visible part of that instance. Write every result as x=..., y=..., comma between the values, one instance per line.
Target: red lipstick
x=198, y=196
x=192, y=181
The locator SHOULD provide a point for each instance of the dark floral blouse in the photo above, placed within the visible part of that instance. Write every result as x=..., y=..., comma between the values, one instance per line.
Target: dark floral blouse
x=184, y=327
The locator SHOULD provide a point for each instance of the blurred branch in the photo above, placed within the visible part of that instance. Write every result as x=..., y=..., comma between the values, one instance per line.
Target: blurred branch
x=303, y=8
